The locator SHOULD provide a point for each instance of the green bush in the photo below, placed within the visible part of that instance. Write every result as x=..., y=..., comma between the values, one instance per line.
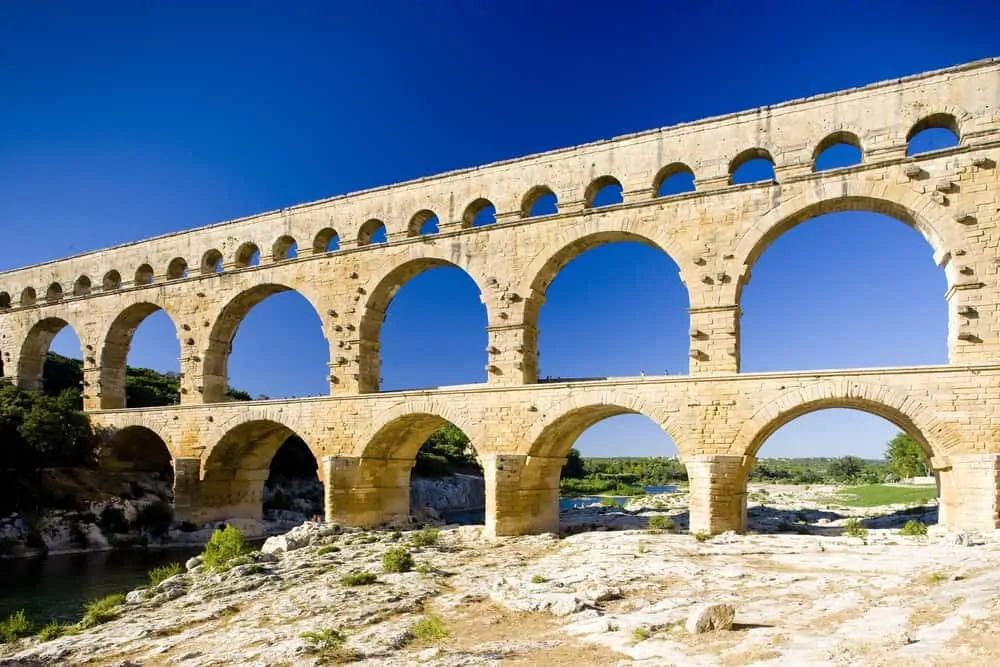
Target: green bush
x=914, y=528
x=223, y=546
x=429, y=628
x=15, y=626
x=397, y=560
x=112, y=520
x=55, y=630
x=160, y=574
x=101, y=611
x=155, y=518
x=359, y=579
x=328, y=549
x=538, y=579
x=641, y=634
x=702, y=536
x=853, y=528
x=661, y=522
x=329, y=643
x=425, y=537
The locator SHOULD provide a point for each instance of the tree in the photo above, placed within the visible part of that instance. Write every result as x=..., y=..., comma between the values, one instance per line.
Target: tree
x=905, y=457
x=846, y=468
x=446, y=452
x=574, y=467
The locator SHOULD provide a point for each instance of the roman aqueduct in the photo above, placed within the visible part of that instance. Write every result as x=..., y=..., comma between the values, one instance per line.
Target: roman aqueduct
x=208, y=279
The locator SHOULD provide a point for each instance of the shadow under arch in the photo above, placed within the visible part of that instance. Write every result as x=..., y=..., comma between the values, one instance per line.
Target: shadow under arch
x=117, y=341
x=35, y=347
x=137, y=449
x=377, y=304
x=216, y=361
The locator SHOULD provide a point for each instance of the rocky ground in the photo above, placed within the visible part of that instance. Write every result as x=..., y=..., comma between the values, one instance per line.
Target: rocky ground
x=606, y=592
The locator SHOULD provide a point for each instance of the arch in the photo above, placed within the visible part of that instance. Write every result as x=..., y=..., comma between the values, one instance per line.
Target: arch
x=285, y=247
x=910, y=415
x=31, y=361
x=54, y=293
x=5, y=302
x=747, y=159
x=600, y=189
x=216, y=360
x=945, y=122
x=399, y=432
x=534, y=197
x=832, y=141
x=326, y=240
x=112, y=281
x=82, y=286
x=136, y=448
x=117, y=341
x=248, y=254
x=673, y=179
x=369, y=230
x=211, y=262
x=423, y=222
x=477, y=214
x=177, y=269
x=144, y=275
x=28, y=297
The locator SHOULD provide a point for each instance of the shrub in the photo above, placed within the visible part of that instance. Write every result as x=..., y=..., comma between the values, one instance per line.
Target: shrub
x=55, y=630
x=853, y=528
x=328, y=549
x=397, y=560
x=160, y=574
x=359, y=579
x=424, y=568
x=425, y=537
x=914, y=528
x=223, y=546
x=538, y=579
x=640, y=634
x=661, y=522
x=101, y=611
x=155, y=518
x=429, y=629
x=396, y=536
x=112, y=520
x=328, y=642
x=702, y=536
x=15, y=626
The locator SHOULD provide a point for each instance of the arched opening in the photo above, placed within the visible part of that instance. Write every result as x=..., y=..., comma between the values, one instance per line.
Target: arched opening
x=293, y=491
x=539, y=200
x=140, y=339
x=327, y=240
x=177, y=269
x=424, y=222
x=247, y=255
x=479, y=213
x=28, y=297
x=603, y=191
x=610, y=327
x=240, y=465
x=674, y=179
x=836, y=151
x=933, y=133
x=211, y=262
x=49, y=335
x=284, y=248
x=144, y=275
x=751, y=166
x=54, y=293
x=276, y=319
x=833, y=467
x=112, y=281
x=859, y=279
x=139, y=462
x=82, y=286
x=373, y=231
x=5, y=303
x=434, y=331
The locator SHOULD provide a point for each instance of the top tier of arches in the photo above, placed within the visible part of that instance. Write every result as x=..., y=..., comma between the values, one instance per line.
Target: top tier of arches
x=880, y=122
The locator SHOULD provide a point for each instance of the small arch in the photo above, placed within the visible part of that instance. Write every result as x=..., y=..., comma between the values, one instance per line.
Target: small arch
x=327, y=240
x=479, y=213
x=751, y=166
x=28, y=296
x=837, y=150
x=423, y=222
x=144, y=275
x=4, y=301
x=112, y=281
x=116, y=344
x=82, y=286
x=674, y=179
x=539, y=200
x=211, y=262
x=177, y=269
x=54, y=293
x=373, y=231
x=400, y=431
x=247, y=255
x=933, y=133
x=284, y=248
x=603, y=191
x=35, y=348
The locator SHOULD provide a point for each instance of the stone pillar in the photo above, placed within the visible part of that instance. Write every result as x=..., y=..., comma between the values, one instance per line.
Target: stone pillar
x=512, y=353
x=522, y=494
x=366, y=492
x=715, y=340
x=231, y=494
x=718, y=492
x=94, y=393
x=974, y=484
x=187, y=473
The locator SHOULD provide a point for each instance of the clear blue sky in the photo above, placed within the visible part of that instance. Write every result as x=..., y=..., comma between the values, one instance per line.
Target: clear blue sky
x=122, y=121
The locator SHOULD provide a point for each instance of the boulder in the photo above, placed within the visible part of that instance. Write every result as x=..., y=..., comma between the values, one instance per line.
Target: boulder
x=299, y=537
x=709, y=617
x=193, y=563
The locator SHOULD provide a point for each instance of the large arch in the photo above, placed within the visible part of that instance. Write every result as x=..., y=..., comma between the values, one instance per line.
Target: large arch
x=117, y=341
x=136, y=448
x=399, y=432
x=35, y=347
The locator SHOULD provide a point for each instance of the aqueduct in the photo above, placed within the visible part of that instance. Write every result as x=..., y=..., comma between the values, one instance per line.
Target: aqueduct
x=207, y=280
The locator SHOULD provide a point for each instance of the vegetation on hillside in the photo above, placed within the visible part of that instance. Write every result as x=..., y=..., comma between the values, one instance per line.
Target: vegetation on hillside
x=446, y=452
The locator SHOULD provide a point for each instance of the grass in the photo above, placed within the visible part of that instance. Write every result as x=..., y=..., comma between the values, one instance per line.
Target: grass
x=328, y=549
x=15, y=626
x=429, y=629
x=160, y=574
x=359, y=579
x=874, y=495
x=659, y=522
x=101, y=611
x=55, y=630
x=641, y=634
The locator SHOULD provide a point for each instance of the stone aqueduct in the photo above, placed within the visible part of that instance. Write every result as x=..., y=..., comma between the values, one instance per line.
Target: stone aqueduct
x=718, y=417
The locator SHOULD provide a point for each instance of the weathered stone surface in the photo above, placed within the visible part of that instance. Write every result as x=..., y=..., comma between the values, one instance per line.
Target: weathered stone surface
x=709, y=617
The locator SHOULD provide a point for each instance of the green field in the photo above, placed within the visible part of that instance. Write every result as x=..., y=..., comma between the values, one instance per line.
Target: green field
x=874, y=495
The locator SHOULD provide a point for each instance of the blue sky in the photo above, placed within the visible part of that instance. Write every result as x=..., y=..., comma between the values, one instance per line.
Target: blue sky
x=121, y=122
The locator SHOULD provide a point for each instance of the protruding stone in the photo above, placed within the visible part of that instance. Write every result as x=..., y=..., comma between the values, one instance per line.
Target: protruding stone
x=710, y=617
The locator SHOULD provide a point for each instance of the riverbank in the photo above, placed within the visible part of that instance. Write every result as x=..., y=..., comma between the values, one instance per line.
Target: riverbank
x=607, y=596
